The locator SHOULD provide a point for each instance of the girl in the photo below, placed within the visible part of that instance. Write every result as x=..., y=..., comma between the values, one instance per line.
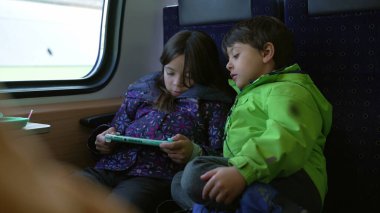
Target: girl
x=188, y=99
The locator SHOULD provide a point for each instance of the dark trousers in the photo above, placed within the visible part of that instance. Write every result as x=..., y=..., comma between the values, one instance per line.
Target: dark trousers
x=290, y=193
x=143, y=192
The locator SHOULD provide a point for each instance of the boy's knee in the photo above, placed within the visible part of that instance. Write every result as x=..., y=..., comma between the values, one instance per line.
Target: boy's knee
x=190, y=174
x=191, y=181
x=176, y=184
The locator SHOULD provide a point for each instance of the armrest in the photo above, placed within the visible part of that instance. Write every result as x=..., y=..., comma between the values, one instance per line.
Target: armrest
x=97, y=120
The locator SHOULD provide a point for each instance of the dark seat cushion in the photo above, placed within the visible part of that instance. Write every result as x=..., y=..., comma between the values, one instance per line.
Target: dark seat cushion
x=341, y=53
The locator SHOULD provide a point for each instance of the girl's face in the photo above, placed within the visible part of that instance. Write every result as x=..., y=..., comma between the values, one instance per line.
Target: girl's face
x=245, y=64
x=174, y=76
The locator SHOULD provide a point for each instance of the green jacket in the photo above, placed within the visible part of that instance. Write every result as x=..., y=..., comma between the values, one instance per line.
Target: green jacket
x=277, y=126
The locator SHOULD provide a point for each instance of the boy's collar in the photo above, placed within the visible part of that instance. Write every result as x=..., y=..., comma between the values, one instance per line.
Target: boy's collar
x=295, y=68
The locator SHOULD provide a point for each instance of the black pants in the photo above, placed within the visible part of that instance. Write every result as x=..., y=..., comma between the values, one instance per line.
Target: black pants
x=143, y=192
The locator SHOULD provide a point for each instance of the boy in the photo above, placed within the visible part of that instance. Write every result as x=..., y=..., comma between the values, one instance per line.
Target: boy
x=275, y=134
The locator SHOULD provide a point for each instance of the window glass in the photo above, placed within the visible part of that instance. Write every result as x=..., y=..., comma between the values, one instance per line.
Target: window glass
x=49, y=39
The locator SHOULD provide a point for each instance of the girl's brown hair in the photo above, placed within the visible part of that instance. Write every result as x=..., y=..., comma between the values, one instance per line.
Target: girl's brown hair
x=201, y=64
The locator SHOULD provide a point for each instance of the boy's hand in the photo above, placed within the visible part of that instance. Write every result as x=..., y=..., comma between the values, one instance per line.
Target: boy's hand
x=179, y=150
x=101, y=145
x=224, y=184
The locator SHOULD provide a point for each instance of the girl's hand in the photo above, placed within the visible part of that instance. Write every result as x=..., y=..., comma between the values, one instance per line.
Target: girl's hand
x=179, y=150
x=101, y=145
x=224, y=184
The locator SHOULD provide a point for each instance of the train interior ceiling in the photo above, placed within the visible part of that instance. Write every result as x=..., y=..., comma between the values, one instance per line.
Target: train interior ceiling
x=337, y=43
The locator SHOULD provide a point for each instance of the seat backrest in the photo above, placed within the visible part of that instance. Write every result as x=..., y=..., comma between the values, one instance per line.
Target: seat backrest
x=215, y=17
x=338, y=44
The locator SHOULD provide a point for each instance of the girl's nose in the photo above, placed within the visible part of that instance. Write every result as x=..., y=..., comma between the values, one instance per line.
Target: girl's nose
x=178, y=81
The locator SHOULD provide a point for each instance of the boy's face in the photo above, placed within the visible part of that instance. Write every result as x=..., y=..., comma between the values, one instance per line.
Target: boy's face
x=174, y=76
x=245, y=64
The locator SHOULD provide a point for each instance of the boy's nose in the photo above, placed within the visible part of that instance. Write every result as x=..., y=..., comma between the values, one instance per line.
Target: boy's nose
x=229, y=66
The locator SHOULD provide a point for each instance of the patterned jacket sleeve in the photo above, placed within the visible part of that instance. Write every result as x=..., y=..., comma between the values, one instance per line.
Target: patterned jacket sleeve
x=123, y=117
x=216, y=115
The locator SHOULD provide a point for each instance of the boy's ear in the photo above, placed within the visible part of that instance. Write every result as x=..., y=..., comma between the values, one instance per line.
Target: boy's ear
x=268, y=52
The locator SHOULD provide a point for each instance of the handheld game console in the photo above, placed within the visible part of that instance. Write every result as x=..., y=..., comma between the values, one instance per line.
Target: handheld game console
x=127, y=139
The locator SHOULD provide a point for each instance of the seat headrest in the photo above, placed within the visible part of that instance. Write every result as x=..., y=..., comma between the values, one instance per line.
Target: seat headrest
x=326, y=7
x=198, y=12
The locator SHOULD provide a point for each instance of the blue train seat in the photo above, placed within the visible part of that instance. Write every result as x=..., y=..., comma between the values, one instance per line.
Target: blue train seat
x=338, y=44
x=215, y=17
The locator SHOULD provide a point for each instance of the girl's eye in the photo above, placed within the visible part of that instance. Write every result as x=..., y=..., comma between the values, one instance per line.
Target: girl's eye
x=236, y=55
x=171, y=73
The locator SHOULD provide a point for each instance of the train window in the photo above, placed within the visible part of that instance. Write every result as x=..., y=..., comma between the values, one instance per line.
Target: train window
x=57, y=45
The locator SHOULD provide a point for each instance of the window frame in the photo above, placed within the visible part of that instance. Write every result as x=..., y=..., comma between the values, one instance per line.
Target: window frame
x=103, y=70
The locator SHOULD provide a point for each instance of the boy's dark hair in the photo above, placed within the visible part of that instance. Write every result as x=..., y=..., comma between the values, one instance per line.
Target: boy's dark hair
x=201, y=63
x=260, y=30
